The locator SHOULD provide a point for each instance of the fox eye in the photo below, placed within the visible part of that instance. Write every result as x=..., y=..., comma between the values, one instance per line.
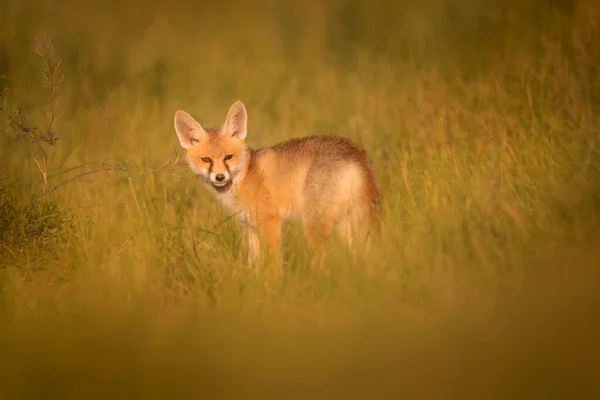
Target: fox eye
x=206, y=159
x=228, y=157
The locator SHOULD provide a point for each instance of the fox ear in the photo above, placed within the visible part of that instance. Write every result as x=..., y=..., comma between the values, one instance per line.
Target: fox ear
x=188, y=129
x=236, y=123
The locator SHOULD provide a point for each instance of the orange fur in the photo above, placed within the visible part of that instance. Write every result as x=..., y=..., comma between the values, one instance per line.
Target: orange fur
x=325, y=181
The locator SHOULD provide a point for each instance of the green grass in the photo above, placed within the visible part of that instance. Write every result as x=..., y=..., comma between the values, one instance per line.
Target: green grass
x=481, y=120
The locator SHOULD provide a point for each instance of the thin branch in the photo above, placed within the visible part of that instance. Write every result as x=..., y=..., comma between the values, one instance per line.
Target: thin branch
x=44, y=152
x=81, y=175
x=43, y=172
x=49, y=129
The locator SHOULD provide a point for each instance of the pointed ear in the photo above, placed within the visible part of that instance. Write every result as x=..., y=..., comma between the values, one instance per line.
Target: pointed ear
x=188, y=129
x=236, y=123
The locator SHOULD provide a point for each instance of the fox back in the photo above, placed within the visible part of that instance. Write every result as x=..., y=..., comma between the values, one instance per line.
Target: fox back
x=326, y=181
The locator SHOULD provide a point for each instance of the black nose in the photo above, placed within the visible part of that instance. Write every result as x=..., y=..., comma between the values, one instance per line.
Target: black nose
x=220, y=177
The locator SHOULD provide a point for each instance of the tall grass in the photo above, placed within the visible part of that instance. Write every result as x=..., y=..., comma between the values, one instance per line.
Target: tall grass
x=481, y=119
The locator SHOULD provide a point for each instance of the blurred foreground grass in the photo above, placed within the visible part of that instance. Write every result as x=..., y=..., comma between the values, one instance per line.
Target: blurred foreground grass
x=481, y=120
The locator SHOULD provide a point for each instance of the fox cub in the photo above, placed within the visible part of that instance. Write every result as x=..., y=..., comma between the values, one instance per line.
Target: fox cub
x=326, y=181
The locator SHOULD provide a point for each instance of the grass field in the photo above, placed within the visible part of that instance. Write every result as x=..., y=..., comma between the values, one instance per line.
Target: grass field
x=121, y=276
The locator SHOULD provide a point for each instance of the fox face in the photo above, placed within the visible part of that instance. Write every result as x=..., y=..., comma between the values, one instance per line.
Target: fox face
x=217, y=155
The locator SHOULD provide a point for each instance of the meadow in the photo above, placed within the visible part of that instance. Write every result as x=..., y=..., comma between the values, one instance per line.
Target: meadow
x=121, y=276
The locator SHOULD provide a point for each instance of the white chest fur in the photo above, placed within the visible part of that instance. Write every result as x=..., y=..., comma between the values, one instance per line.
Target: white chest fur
x=230, y=201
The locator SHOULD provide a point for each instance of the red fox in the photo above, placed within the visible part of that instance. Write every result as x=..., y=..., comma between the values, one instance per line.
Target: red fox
x=326, y=181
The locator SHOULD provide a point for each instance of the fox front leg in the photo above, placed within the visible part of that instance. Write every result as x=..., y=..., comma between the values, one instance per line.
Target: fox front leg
x=253, y=246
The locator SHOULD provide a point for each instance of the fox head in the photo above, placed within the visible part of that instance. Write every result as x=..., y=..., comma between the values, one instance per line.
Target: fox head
x=218, y=155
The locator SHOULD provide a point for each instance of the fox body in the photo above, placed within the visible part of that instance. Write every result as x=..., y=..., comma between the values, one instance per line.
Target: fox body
x=325, y=181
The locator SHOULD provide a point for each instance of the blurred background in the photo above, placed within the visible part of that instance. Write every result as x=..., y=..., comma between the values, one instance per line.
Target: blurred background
x=120, y=274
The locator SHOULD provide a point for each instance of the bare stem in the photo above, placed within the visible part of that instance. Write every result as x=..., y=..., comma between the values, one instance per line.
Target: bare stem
x=43, y=171
x=81, y=175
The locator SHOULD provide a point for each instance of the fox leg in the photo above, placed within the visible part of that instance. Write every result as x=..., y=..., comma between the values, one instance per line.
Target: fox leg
x=344, y=229
x=310, y=233
x=268, y=232
x=271, y=231
x=313, y=233
x=317, y=229
x=253, y=246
